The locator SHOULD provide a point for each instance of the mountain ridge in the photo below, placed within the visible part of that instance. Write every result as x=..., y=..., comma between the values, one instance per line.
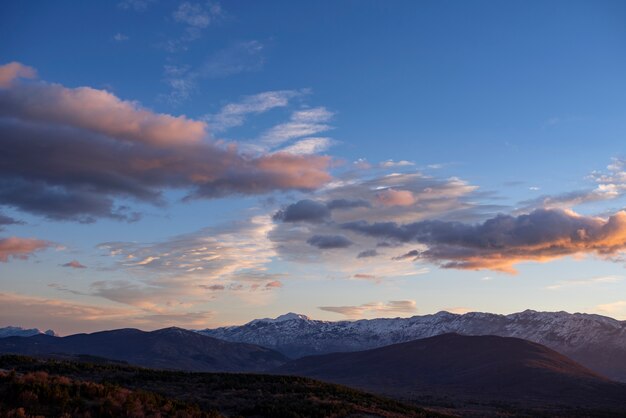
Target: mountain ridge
x=595, y=341
x=167, y=348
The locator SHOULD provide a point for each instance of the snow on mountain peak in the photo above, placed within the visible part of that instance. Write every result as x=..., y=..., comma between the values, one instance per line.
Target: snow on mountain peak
x=291, y=316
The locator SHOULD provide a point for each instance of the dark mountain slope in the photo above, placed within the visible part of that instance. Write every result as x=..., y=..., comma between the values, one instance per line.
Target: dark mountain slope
x=169, y=348
x=213, y=394
x=469, y=367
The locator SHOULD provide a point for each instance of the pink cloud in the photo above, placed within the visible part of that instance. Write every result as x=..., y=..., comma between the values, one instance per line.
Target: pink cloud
x=393, y=197
x=75, y=264
x=14, y=70
x=20, y=248
x=71, y=153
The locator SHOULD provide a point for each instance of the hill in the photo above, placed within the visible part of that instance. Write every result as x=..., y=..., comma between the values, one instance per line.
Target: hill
x=169, y=348
x=131, y=390
x=470, y=368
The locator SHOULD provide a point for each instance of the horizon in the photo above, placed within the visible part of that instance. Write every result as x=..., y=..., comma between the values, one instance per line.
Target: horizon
x=206, y=163
x=56, y=334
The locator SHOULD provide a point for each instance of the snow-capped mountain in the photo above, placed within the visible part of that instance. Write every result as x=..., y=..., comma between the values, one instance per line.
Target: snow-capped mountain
x=23, y=332
x=598, y=342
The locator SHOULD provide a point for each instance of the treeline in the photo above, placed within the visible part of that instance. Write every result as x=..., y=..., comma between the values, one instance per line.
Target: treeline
x=38, y=394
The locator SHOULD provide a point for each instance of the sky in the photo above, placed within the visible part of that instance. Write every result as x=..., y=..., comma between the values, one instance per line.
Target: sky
x=201, y=164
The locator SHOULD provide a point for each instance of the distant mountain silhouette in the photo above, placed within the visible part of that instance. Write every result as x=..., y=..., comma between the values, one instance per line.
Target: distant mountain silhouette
x=467, y=367
x=169, y=348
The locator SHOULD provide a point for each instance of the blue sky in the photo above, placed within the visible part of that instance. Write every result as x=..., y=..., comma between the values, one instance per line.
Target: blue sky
x=190, y=157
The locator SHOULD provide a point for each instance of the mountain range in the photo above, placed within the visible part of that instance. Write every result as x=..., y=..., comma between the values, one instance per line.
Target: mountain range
x=168, y=348
x=597, y=342
x=23, y=332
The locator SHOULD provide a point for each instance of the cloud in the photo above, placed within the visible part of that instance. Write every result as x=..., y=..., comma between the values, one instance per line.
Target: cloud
x=237, y=58
x=353, y=197
x=20, y=248
x=195, y=17
x=120, y=37
x=309, y=146
x=392, y=197
x=303, y=123
x=374, y=308
x=392, y=163
x=314, y=211
x=327, y=242
x=609, y=185
x=67, y=317
x=503, y=241
x=229, y=257
x=304, y=211
x=368, y=253
x=73, y=154
x=7, y=220
x=459, y=310
x=614, y=309
x=274, y=284
x=13, y=71
x=348, y=204
x=234, y=114
x=136, y=5
x=240, y=57
x=585, y=282
x=75, y=264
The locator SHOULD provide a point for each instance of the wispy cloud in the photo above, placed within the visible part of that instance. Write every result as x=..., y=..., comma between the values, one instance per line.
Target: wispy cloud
x=191, y=268
x=195, y=17
x=614, y=309
x=235, y=114
x=69, y=317
x=374, y=308
x=120, y=37
x=303, y=123
x=585, y=282
x=309, y=146
x=239, y=57
x=609, y=184
x=136, y=5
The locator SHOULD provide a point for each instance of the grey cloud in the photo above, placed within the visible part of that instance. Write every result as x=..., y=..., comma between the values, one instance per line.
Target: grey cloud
x=348, y=204
x=304, y=211
x=325, y=242
x=367, y=253
x=7, y=220
x=64, y=163
x=503, y=241
x=75, y=264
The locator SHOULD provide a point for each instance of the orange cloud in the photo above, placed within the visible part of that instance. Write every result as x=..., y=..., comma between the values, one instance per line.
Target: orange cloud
x=504, y=241
x=20, y=248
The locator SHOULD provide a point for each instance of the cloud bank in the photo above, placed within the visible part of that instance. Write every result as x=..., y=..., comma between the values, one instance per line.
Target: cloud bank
x=74, y=153
x=503, y=241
